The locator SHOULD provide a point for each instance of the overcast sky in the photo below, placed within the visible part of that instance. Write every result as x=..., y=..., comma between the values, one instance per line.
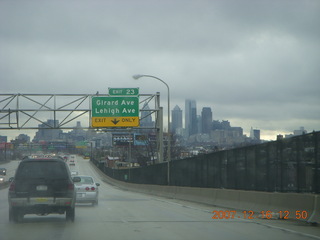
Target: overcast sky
x=255, y=63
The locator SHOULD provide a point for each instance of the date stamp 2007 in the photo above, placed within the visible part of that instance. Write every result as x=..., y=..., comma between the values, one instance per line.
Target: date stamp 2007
x=285, y=214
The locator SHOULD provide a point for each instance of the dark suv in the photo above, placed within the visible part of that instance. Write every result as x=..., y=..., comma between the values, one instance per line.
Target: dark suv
x=42, y=186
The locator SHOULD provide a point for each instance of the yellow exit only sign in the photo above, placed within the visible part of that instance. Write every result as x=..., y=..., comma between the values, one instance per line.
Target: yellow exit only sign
x=115, y=121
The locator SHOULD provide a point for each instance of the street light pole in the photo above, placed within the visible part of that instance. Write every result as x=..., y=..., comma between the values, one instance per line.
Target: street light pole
x=136, y=77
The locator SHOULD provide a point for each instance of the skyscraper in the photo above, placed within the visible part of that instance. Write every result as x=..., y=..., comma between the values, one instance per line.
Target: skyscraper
x=255, y=134
x=206, y=117
x=191, y=117
x=146, y=119
x=176, y=119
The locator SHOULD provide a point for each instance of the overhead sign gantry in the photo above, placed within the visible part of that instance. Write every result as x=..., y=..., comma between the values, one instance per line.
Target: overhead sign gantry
x=120, y=108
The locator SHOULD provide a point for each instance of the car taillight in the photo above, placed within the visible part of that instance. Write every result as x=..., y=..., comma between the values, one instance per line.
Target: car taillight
x=87, y=188
x=93, y=188
x=12, y=187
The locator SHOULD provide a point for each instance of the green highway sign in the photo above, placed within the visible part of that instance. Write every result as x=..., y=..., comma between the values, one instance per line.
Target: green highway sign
x=123, y=91
x=115, y=107
x=115, y=111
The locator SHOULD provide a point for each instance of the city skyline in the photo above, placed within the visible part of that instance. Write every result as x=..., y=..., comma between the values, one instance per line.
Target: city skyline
x=255, y=62
x=147, y=121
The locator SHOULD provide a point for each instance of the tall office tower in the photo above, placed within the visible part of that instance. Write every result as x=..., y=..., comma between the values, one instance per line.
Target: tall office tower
x=206, y=116
x=191, y=117
x=255, y=134
x=199, y=124
x=146, y=119
x=176, y=119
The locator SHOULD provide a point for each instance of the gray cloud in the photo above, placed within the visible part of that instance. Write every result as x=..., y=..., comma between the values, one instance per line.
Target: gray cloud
x=254, y=62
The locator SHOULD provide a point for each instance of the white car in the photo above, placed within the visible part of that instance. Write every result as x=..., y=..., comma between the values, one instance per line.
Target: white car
x=87, y=190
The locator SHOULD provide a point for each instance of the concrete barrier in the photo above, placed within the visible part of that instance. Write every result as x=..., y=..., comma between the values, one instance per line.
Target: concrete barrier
x=295, y=206
x=254, y=201
x=315, y=215
x=227, y=198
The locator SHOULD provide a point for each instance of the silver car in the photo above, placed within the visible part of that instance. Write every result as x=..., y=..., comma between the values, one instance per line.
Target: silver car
x=87, y=190
x=74, y=173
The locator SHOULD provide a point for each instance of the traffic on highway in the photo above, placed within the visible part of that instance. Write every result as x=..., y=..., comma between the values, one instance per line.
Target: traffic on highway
x=123, y=214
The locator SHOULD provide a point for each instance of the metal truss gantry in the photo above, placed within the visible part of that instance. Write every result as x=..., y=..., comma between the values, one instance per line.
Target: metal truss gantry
x=33, y=111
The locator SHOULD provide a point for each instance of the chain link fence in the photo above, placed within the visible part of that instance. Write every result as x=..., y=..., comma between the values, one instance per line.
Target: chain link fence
x=287, y=165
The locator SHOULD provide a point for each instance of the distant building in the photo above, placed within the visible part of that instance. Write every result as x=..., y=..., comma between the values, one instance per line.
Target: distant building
x=77, y=134
x=301, y=131
x=279, y=137
x=199, y=124
x=225, y=124
x=3, y=139
x=298, y=132
x=255, y=134
x=146, y=119
x=228, y=137
x=206, y=118
x=191, y=117
x=47, y=132
x=176, y=124
x=23, y=138
x=223, y=135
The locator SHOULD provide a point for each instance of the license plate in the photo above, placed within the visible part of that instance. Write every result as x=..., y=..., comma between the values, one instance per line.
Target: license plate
x=81, y=195
x=42, y=188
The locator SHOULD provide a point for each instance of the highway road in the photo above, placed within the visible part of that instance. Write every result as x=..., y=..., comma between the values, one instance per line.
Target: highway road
x=129, y=215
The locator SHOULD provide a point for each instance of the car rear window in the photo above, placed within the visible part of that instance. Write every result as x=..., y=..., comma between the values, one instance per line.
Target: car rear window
x=86, y=180
x=42, y=169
